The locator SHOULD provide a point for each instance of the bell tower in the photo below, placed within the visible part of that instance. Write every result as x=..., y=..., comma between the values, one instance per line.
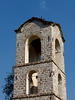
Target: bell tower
x=39, y=71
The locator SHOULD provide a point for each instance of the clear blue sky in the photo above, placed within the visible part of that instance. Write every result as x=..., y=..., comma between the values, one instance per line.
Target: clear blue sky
x=15, y=12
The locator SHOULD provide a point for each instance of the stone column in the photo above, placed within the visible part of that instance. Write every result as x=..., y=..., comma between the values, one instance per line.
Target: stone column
x=27, y=85
x=26, y=52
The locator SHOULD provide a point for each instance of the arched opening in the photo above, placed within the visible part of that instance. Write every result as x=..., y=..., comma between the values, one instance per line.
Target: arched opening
x=57, y=46
x=32, y=85
x=34, y=49
x=59, y=85
x=57, y=53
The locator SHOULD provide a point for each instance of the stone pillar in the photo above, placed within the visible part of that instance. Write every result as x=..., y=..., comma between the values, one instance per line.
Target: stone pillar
x=27, y=85
x=27, y=52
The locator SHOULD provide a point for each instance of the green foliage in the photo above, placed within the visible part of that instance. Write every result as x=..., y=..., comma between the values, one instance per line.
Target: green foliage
x=8, y=88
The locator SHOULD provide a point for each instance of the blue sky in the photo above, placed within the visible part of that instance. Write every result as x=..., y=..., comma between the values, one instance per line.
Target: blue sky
x=15, y=12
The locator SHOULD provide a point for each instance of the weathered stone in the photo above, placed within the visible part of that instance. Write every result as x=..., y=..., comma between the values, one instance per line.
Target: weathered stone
x=48, y=67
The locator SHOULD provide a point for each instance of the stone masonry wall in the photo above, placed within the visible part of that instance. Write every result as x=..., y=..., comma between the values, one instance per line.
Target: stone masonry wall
x=48, y=69
x=44, y=78
x=45, y=97
x=38, y=98
x=56, y=35
x=57, y=71
x=58, y=68
x=38, y=29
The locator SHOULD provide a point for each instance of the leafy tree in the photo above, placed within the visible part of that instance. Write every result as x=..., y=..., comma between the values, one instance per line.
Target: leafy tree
x=8, y=88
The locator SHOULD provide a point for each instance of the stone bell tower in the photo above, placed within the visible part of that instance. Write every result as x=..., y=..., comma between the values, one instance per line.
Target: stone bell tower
x=39, y=71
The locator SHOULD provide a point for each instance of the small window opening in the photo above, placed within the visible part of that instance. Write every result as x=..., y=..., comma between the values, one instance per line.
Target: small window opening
x=16, y=77
x=48, y=38
x=36, y=77
x=57, y=46
x=59, y=85
x=33, y=82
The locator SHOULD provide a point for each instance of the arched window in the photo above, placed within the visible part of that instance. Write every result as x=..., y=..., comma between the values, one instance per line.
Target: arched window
x=57, y=46
x=57, y=53
x=32, y=82
x=33, y=49
x=59, y=85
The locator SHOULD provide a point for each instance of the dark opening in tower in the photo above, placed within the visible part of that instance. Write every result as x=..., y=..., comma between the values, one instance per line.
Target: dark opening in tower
x=34, y=49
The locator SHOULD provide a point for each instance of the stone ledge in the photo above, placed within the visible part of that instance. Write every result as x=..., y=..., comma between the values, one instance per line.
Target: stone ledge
x=36, y=95
x=34, y=63
x=38, y=62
